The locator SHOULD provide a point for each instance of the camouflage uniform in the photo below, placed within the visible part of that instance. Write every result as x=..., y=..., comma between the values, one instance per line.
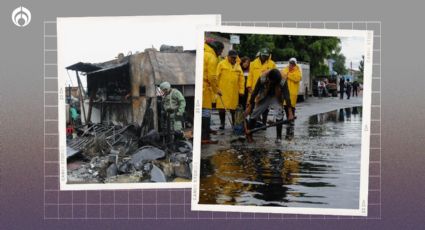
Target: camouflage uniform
x=174, y=104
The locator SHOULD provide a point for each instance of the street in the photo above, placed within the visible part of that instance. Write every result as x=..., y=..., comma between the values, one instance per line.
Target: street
x=316, y=165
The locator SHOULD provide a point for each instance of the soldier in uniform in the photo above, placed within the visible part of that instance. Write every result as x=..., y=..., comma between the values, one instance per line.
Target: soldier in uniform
x=174, y=105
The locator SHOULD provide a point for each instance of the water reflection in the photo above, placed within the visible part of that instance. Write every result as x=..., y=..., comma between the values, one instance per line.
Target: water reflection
x=321, y=168
x=247, y=176
x=340, y=115
x=320, y=123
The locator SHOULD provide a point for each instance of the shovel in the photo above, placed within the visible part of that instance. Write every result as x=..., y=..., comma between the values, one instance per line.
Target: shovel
x=284, y=122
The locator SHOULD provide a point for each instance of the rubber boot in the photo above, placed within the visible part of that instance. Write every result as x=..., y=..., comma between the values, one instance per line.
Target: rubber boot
x=206, y=139
x=289, y=132
x=278, y=132
x=233, y=113
x=264, y=116
x=205, y=129
x=222, y=114
x=251, y=125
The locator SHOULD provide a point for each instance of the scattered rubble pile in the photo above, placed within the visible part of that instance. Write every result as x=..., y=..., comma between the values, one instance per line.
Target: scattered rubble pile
x=117, y=154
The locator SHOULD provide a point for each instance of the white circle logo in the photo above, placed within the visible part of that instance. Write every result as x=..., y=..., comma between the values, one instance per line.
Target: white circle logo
x=21, y=16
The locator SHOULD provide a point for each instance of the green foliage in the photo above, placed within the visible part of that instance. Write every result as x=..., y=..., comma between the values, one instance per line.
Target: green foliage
x=320, y=70
x=312, y=49
x=361, y=68
x=317, y=50
x=339, y=65
x=251, y=44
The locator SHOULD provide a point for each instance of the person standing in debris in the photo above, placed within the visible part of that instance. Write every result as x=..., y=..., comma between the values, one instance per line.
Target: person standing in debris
x=270, y=90
x=210, y=86
x=257, y=67
x=74, y=115
x=174, y=105
x=292, y=74
x=341, y=88
x=348, y=88
x=231, y=83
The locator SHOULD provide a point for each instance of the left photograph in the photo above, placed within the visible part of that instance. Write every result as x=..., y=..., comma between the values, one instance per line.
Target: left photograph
x=126, y=100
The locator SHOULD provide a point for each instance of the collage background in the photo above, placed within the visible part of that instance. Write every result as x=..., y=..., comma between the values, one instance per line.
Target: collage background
x=25, y=165
x=175, y=203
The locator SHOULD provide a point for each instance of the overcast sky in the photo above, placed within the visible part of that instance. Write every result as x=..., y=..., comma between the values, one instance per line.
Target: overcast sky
x=100, y=39
x=353, y=49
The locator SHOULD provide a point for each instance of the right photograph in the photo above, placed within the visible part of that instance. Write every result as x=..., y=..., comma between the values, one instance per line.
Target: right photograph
x=284, y=121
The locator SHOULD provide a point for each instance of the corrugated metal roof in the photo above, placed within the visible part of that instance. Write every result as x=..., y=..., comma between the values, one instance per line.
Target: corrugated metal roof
x=178, y=68
x=91, y=68
x=83, y=67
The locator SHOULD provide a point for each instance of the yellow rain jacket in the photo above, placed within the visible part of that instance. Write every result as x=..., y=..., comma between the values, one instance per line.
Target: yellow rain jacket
x=231, y=83
x=293, y=78
x=256, y=69
x=210, y=77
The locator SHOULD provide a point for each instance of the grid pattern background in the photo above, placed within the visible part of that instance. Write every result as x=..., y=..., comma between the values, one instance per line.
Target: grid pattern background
x=160, y=204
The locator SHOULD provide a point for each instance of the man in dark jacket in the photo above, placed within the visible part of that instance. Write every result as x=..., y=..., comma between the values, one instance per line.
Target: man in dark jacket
x=348, y=88
x=341, y=88
x=355, y=88
x=270, y=90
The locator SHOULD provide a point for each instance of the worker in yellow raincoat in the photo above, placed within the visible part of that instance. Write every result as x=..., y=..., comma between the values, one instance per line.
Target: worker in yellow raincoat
x=292, y=74
x=232, y=85
x=260, y=65
x=210, y=86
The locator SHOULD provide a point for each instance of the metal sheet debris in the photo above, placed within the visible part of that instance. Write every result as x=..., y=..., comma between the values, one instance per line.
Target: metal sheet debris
x=108, y=153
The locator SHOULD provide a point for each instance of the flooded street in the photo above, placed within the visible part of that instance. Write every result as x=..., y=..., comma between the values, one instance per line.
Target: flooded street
x=317, y=165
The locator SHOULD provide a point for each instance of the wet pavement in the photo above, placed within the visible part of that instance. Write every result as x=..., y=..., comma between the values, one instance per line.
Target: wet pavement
x=317, y=165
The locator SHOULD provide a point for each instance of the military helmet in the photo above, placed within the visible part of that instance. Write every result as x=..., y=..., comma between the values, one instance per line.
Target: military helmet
x=165, y=85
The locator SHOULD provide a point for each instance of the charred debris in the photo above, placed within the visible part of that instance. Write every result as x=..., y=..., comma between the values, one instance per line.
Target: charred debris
x=122, y=133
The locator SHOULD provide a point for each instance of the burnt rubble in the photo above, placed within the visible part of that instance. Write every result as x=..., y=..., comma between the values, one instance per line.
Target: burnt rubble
x=108, y=153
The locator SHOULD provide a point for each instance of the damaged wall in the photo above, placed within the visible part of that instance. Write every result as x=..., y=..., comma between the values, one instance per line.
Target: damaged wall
x=111, y=101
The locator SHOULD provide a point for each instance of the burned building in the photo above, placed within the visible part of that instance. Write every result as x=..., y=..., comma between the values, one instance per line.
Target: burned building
x=122, y=137
x=125, y=90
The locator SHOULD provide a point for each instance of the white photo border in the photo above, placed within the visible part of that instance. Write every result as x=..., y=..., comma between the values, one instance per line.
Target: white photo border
x=63, y=185
x=365, y=143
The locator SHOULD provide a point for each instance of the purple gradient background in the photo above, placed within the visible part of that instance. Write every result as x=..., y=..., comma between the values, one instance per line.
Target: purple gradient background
x=403, y=110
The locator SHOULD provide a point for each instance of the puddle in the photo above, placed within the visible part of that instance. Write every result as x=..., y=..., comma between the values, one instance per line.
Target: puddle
x=319, y=167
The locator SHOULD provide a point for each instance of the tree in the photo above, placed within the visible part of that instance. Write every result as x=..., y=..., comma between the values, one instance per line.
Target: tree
x=339, y=64
x=252, y=43
x=361, y=68
x=312, y=49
